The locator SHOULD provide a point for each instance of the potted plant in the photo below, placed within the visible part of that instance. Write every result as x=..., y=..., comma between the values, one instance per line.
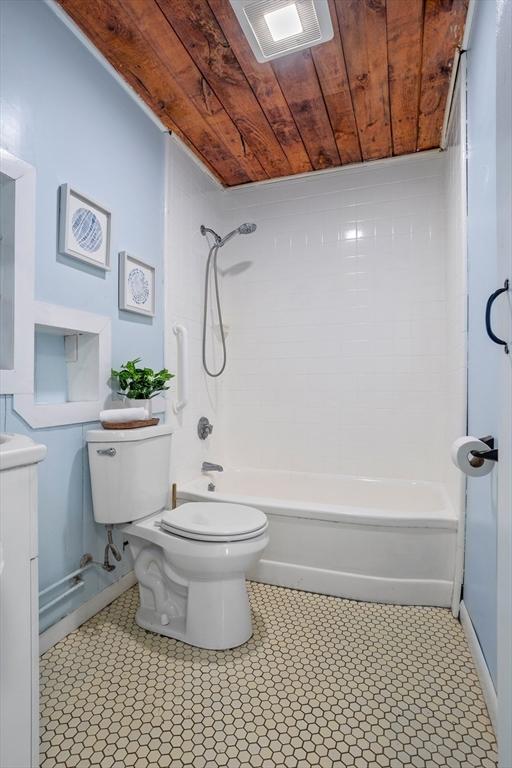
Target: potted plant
x=140, y=385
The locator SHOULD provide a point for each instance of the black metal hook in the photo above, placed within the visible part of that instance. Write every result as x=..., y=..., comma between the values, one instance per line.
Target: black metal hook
x=490, y=301
x=478, y=457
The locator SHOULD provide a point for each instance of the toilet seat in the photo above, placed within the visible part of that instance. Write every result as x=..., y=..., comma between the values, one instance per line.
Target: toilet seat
x=214, y=521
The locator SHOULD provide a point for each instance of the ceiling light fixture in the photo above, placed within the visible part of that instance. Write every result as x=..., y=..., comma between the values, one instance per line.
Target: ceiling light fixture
x=284, y=22
x=278, y=27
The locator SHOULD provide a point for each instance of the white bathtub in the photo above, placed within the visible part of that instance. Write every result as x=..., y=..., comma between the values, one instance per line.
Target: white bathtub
x=387, y=541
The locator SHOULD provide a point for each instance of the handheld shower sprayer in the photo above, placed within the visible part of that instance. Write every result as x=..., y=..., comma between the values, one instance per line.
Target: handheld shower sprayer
x=246, y=229
x=243, y=229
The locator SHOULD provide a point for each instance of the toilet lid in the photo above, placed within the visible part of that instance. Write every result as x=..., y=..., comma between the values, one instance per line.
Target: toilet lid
x=214, y=521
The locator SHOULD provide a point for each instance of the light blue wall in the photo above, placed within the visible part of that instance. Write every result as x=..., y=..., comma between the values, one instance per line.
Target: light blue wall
x=62, y=112
x=484, y=356
x=50, y=374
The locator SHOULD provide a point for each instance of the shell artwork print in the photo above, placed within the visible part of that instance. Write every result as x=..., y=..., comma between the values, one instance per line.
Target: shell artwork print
x=84, y=228
x=87, y=230
x=138, y=285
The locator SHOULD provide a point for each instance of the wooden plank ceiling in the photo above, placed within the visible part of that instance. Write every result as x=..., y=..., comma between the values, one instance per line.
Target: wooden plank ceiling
x=377, y=89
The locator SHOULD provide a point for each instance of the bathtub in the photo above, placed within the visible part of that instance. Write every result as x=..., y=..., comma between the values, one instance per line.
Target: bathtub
x=391, y=541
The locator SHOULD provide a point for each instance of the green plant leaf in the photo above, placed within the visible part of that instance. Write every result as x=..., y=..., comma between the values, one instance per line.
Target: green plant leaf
x=141, y=383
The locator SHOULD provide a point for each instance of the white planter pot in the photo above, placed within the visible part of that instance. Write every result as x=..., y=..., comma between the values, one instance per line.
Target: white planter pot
x=147, y=404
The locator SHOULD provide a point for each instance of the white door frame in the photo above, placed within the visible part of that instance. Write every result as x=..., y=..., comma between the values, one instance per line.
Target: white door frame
x=504, y=243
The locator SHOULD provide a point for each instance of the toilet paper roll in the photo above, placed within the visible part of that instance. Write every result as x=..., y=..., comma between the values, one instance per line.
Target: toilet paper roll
x=461, y=455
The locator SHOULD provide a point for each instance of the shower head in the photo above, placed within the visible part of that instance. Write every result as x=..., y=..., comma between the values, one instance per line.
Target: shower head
x=246, y=229
x=243, y=229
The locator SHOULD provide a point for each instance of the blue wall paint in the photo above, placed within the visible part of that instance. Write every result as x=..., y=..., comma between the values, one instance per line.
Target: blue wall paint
x=62, y=112
x=484, y=417
x=50, y=375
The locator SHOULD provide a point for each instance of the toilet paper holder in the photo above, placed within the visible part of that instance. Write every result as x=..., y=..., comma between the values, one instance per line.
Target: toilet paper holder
x=478, y=457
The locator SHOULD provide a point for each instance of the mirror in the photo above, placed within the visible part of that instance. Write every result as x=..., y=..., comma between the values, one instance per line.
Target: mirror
x=7, y=214
x=17, y=214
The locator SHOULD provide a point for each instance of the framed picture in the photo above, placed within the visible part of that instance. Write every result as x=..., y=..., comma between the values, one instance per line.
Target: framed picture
x=84, y=228
x=136, y=285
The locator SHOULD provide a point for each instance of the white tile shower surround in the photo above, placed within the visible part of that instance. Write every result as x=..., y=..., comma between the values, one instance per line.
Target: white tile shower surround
x=337, y=310
x=192, y=199
x=456, y=276
x=336, y=313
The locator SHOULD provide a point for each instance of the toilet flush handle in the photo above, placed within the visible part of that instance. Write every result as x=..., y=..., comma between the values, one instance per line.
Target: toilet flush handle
x=106, y=451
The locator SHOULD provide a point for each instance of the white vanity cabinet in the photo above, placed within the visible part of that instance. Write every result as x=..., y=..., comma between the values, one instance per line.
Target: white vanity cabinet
x=19, y=652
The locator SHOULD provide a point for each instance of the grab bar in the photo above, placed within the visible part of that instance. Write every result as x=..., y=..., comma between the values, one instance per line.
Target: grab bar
x=182, y=337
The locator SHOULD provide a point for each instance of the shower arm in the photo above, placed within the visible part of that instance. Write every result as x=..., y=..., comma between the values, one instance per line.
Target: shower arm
x=207, y=231
x=227, y=237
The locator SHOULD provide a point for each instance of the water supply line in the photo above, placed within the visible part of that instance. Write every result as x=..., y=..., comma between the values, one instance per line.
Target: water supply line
x=110, y=547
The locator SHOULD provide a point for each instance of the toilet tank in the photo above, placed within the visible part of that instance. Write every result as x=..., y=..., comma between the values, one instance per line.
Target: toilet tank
x=130, y=472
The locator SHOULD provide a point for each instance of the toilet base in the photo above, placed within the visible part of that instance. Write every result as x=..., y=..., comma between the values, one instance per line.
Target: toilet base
x=217, y=616
x=193, y=591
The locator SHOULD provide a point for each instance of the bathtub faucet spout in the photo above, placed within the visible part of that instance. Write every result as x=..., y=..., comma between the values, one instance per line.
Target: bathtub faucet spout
x=208, y=467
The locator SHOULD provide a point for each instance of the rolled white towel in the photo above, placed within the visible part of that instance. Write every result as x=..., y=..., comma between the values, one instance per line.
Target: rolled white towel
x=120, y=415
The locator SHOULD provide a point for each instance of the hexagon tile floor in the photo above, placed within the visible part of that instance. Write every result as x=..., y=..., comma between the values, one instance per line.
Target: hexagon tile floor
x=323, y=682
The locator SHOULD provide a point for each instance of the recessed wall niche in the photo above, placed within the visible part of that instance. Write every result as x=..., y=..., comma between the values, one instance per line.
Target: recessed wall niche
x=65, y=366
x=71, y=367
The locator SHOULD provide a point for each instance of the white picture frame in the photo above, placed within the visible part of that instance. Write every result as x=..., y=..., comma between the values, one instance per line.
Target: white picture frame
x=136, y=285
x=84, y=228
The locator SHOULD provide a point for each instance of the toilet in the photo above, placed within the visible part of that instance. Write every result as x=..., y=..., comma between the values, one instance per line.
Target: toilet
x=191, y=561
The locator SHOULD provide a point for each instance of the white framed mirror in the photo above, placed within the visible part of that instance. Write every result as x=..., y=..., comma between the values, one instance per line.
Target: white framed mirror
x=17, y=243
